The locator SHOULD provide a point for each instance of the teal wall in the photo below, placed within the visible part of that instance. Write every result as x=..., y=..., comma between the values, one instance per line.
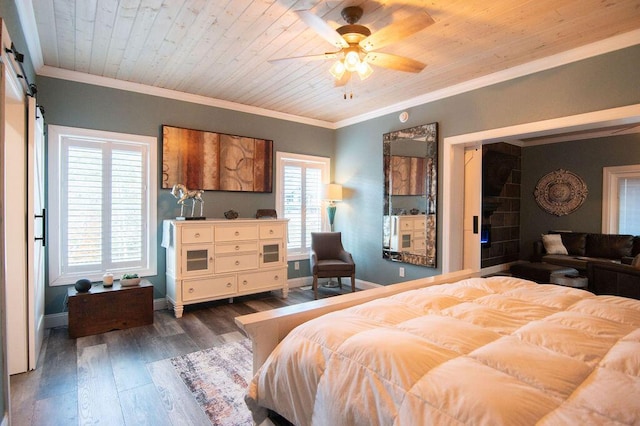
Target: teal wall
x=586, y=158
x=81, y=105
x=594, y=84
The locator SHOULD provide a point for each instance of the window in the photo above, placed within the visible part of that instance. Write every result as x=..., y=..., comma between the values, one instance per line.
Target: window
x=621, y=200
x=299, y=185
x=102, y=199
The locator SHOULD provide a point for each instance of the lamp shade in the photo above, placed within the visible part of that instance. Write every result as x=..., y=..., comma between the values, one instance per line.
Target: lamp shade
x=333, y=192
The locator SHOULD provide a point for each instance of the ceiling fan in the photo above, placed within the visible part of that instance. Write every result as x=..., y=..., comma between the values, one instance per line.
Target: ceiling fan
x=357, y=45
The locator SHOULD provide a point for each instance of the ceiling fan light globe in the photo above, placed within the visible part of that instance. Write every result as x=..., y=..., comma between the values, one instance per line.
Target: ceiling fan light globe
x=364, y=70
x=337, y=70
x=352, y=61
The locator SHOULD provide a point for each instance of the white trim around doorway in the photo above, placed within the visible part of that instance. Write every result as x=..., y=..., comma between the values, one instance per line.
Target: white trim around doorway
x=453, y=165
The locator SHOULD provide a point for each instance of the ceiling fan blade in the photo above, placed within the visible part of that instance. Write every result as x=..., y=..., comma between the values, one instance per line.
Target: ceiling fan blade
x=343, y=80
x=397, y=31
x=322, y=28
x=330, y=55
x=386, y=60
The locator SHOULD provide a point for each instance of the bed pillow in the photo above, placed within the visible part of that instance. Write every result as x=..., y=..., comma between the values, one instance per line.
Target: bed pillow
x=553, y=244
x=636, y=262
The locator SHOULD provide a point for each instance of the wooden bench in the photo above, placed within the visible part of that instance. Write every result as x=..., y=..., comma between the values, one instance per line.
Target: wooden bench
x=103, y=309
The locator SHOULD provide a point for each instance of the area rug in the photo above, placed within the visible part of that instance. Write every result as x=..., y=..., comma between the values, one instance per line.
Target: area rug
x=218, y=378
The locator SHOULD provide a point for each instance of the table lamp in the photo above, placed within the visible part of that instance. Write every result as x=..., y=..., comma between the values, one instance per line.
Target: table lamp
x=332, y=193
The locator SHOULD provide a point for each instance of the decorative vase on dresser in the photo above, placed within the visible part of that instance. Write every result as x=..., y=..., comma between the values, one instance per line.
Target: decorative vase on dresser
x=217, y=259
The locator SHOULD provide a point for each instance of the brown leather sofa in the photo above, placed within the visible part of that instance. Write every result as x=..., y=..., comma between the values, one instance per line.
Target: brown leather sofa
x=614, y=278
x=584, y=248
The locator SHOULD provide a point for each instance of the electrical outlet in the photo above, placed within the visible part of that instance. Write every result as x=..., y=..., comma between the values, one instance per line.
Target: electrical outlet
x=401, y=271
x=296, y=266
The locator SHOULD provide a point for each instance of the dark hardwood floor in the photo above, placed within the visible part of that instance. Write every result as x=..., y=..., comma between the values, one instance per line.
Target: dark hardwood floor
x=124, y=377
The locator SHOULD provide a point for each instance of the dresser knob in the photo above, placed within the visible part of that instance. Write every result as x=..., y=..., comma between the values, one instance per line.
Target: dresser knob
x=276, y=278
x=237, y=262
x=191, y=290
x=271, y=231
x=237, y=233
x=197, y=235
x=237, y=248
x=228, y=284
x=244, y=282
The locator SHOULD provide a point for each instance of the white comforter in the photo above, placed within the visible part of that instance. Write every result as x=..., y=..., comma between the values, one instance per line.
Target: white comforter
x=496, y=351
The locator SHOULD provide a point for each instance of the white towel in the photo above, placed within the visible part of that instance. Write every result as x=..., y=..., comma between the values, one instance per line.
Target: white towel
x=166, y=234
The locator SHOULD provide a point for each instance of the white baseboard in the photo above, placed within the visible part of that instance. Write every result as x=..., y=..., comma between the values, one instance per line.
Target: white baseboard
x=160, y=304
x=56, y=320
x=300, y=282
x=306, y=281
x=62, y=319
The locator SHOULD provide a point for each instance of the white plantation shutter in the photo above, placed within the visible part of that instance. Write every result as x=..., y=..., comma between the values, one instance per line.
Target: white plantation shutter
x=83, y=205
x=127, y=207
x=103, y=213
x=313, y=202
x=300, y=183
x=293, y=192
x=629, y=207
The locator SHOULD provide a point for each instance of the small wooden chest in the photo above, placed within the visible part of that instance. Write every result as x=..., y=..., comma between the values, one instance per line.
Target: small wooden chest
x=104, y=309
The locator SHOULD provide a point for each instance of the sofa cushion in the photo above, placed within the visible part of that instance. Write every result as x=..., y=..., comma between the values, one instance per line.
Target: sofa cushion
x=539, y=272
x=579, y=263
x=636, y=246
x=553, y=244
x=575, y=242
x=609, y=246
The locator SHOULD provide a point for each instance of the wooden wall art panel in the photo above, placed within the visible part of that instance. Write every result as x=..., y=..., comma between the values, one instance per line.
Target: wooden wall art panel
x=216, y=161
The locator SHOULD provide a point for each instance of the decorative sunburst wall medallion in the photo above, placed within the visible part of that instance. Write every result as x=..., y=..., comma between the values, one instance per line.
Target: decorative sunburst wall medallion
x=560, y=192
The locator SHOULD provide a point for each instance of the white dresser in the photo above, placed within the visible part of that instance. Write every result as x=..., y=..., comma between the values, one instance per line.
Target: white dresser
x=217, y=259
x=408, y=233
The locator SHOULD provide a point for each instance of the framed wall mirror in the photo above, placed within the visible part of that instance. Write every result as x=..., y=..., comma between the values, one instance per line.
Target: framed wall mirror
x=410, y=162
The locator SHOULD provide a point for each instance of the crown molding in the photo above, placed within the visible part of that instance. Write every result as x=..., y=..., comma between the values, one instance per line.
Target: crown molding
x=584, y=52
x=598, y=48
x=80, y=77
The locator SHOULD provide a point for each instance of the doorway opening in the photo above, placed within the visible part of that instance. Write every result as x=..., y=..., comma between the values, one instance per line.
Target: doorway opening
x=460, y=248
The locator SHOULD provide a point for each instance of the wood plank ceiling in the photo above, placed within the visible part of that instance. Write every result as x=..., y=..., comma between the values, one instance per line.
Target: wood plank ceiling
x=220, y=48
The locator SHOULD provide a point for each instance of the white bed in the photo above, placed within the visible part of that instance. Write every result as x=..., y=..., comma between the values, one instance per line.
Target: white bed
x=479, y=351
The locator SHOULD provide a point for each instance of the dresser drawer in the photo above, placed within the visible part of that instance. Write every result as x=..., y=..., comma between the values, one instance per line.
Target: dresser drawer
x=406, y=224
x=210, y=287
x=197, y=234
x=235, y=263
x=271, y=230
x=236, y=233
x=240, y=247
x=256, y=280
x=419, y=244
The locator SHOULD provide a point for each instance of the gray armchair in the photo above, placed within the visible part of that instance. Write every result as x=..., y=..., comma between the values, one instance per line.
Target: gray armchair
x=330, y=260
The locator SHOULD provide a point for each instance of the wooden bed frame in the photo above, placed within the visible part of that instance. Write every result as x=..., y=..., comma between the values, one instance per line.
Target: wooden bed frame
x=266, y=329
